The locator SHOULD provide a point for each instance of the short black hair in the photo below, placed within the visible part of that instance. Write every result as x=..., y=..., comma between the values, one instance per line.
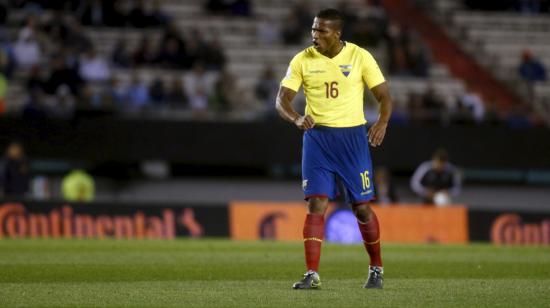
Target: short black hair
x=332, y=15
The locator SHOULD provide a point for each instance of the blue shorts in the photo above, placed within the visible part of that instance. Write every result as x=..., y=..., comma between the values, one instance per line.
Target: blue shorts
x=330, y=154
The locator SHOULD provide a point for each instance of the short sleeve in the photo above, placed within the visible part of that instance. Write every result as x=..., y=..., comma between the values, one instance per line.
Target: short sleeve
x=372, y=75
x=293, y=78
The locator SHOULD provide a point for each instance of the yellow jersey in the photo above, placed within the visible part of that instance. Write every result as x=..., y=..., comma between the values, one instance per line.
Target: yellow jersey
x=334, y=87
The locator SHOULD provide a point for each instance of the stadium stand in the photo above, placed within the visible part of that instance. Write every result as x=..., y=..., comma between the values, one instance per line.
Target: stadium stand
x=247, y=52
x=497, y=40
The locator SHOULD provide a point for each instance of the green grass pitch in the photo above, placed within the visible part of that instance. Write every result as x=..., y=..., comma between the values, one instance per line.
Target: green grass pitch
x=222, y=273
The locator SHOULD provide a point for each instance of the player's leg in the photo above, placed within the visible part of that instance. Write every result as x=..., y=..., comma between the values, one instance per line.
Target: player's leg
x=318, y=186
x=356, y=174
x=370, y=231
x=314, y=230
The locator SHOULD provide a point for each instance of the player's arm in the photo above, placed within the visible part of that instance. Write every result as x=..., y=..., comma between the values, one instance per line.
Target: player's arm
x=287, y=111
x=378, y=130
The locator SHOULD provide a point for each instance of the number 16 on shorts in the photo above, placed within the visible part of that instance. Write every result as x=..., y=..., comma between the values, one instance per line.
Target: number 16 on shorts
x=365, y=179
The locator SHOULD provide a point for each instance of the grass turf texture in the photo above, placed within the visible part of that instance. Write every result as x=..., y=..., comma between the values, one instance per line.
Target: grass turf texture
x=220, y=273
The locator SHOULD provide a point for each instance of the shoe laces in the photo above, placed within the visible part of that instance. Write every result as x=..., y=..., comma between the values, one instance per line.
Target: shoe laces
x=375, y=273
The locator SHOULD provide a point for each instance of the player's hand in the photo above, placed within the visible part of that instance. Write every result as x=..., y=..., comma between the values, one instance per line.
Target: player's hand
x=304, y=122
x=377, y=132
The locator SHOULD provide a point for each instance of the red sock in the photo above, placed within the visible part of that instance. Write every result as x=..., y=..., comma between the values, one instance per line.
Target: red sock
x=314, y=229
x=371, y=239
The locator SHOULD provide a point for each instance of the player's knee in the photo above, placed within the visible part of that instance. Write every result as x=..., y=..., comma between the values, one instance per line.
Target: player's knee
x=317, y=205
x=363, y=212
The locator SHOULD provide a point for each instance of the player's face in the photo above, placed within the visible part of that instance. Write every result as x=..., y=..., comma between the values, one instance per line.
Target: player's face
x=325, y=35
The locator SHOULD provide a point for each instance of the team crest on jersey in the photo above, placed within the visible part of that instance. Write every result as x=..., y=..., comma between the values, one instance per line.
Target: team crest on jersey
x=346, y=69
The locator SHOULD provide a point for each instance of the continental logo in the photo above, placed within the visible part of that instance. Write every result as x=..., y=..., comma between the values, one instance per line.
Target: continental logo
x=509, y=229
x=62, y=222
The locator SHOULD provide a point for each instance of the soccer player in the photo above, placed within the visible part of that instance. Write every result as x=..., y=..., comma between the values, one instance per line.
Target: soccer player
x=335, y=143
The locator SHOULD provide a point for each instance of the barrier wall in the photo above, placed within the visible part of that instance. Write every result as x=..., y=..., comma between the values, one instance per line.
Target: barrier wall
x=264, y=143
x=404, y=223
x=111, y=220
x=518, y=228
x=266, y=220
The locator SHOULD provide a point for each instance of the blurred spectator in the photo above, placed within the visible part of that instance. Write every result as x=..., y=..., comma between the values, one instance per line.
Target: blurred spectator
x=198, y=80
x=157, y=92
x=217, y=6
x=432, y=104
x=397, y=59
x=137, y=16
x=414, y=108
x=437, y=181
x=91, y=13
x=384, y=186
x=351, y=20
x=144, y=54
x=7, y=58
x=268, y=31
x=77, y=38
x=233, y=7
x=89, y=100
x=78, y=186
x=461, y=114
x=266, y=90
x=226, y=92
x=303, y=12
x=531, y=69
x=176, y=95
x=114, y=13
x=27, y=50
x=519, y=117
x=491, y=114
x=170, y=56
x=417, y=59
x=194, y=51
x=199, y=86
x=407, y=54
x=528, y=6
x=114, y=94
x=198, y=101
x=213, y=55
x=94, y=68
x=120, y=55
x=71, y=57
x=15, y=176
x=158, y=16
x=292, y=29
x=241, y=8
x=62, y=75
x=56, y=28
x=35, y=108
x=472, y=102
x=3, y=13
x=3, y=92
x=137, y=94
x=64, y=106
x=365, y=33
x=172, y=31
x=377, y=14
